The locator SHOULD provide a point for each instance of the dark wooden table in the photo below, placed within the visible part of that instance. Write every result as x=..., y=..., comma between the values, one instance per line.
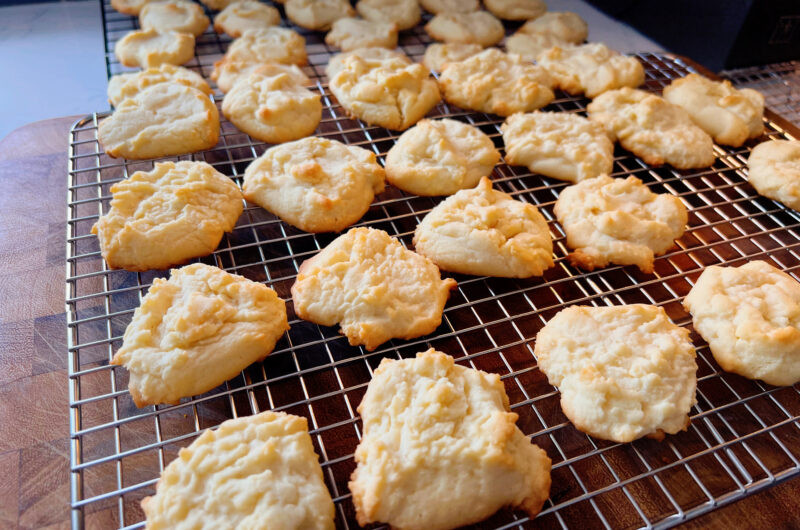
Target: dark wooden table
x=34, y=432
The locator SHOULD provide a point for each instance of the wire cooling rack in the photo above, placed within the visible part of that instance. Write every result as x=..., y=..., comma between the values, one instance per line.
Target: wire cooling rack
x=779, y=82
x=743, y=436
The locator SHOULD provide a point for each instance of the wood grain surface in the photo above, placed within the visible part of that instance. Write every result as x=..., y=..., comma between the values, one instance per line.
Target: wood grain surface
x=34, y=433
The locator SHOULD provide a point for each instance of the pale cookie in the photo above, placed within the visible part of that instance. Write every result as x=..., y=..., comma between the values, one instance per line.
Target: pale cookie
x=245, y=14
x=369, y=55
x=403, y=13
x=251, y=472
x=516, y=9
x=374, y=288
x=591, y=69
x=228, y=73
x=167, y=216
x=438, y=54
x=450, y=6
x=351, y=33
x=566, y=26
x=440, y=157
x=441, y=449
x=479, y=27
x=750, y=317
x=174, y=15
x=315, y=184
x=147, y=48
x=561, y=145
x=380, y=89
x=652, y=128
x=624, y=372
x=774, y=171
x=620, y=221
x=272, y=107
x=317, y=14
x=161, y=120
x=129, y=7
x=197, y=330
x=268, y=45
x=729, y=115
x=551, y=29
x=123, y=86
x=530, y=45
x=486, y=232
x=496, y=82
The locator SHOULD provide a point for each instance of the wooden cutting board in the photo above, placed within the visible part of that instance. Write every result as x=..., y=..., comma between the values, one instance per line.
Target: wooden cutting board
x=34, y=432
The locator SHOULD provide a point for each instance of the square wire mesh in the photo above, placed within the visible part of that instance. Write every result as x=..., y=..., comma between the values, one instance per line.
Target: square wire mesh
x=743, y=434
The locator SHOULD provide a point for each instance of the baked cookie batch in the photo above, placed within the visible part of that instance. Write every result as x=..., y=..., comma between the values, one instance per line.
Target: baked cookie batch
x=432, y=429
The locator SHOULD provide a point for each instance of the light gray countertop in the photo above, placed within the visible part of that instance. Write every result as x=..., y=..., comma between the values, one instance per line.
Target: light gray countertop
x=52, y=54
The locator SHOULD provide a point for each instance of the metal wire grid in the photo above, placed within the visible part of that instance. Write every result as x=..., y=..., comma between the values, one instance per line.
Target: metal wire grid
x=779, y=82
x=743, y=433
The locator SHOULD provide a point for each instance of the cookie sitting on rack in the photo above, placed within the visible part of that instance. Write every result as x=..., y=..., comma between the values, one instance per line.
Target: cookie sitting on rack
x=382, y=87
x=729, y=115
x=483, y=231
x=174, y=15
x=496, y=82
x=555, y=28
x=624, y=372
x=773, y=169
x=440, y=157
x=149, y=48
x=162, y=120
x=242, y=15
x=256, y=471
x=750, y=316
x=167, y=216
x=272, y=106
x=620, y=221
x=441, y=449
x=197, y=330
x=652, y=128
x=373, y=287
x=123, y=86
x=315, y=184
x=478, y=27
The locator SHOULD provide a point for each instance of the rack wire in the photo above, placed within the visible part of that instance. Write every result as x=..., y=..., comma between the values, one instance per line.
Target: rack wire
x=779, y=82
x=743, y=434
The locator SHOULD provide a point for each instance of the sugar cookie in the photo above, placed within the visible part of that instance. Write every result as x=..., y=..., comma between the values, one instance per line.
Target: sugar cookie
x=403, y=13
x=388, y=91
x=624, y=372
x=774, y=171
x=750, y=317
x=315, y=184
x=561, y=145
x=174, y=15
x=167, y=216
x=161, y=120
x=272, y=107
x=486, y=232
x=197, y=330
x=149, y=48
x=591, y=69
x=253, y=471
x=479, y=27
x=440, y=53
x=350, y=33
x=245, y=14
x=317, y=14
x=495, y=82
x=652, y=128
x=440, y=448
x=620, y=221
x=516, y=9
x=440, y=157
x=123, y=86
x=374, y=288
x=729, y=115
